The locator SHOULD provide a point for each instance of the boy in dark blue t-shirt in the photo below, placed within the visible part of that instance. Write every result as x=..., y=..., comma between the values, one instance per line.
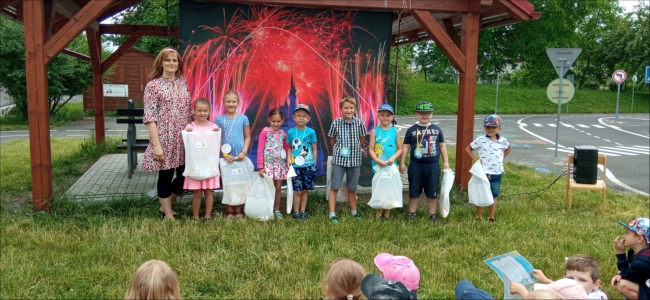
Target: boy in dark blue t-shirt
x=426, y=143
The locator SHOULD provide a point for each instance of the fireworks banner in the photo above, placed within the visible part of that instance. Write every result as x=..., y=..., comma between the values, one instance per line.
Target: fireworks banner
x=277, y=57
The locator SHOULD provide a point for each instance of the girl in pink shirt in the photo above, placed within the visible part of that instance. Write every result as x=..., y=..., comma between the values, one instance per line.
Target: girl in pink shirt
x=272, y=155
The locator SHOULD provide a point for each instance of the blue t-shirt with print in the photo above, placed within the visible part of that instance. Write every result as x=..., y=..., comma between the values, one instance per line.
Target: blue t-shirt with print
x=300, y=142
x=385, y=144
x=232, y=131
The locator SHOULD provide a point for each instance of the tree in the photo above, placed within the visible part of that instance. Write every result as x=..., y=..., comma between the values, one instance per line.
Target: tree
x=66, y=75
x=434, y=65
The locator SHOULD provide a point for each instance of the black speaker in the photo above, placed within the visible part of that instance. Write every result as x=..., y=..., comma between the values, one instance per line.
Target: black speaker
x=585, y=164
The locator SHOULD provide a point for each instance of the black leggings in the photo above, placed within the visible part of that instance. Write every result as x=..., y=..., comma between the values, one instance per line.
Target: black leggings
x=166, y=186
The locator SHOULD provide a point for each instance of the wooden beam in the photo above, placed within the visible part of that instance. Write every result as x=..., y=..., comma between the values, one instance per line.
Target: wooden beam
x=451, y=31
x=386, y=5
x=108, y=63
x=76, y=54
x=74, y=27
x=142, y=30
x=38, y=112
x=69, y=9
x=513, y=10
x=467, y=97
x=95, y=47
x=440, y=37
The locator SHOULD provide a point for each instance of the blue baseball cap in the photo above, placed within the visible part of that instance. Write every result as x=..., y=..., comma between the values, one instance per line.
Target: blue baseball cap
x=492, y=121
x=386, y=107
x=302, y=106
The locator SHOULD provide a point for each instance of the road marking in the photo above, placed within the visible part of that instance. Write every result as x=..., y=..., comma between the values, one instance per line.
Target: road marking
x=537, y=136
x=115, y=130
x=567, y=125
x=613, y=179
x=642, y=147
x=606, y=140
x=3, y=136
x=619, y=129
x=598, y=126
x=619, y=144
x=84, y=130
x=523, y=124
x=588, y=133
x=596, y=137
x=77, y=135
x=537, y=125
x=632, y=150
x=552, y=125
x=583, y=126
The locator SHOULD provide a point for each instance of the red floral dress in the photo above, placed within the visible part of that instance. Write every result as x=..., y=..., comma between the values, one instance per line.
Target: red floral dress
x=170, y=108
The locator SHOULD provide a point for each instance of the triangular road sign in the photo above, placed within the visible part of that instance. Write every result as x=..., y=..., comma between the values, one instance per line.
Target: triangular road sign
x=568, y=55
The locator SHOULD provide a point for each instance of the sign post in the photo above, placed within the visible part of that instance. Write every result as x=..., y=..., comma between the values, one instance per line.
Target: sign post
x=633, y=84
x=619, y=77
x=562, y=59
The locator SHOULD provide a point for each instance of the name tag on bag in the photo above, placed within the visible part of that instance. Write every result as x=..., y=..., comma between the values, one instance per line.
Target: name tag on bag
x=386, y=175
x=201, y=145
x=237, y=171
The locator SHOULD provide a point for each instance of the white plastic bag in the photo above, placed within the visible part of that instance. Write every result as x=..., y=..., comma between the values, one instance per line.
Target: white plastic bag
x=290, y=175
x=447, y=184
x=478, y=188
x=201, y=153
x=259, y=201
x=342, y=195
x=237, y=178
x=386, y=188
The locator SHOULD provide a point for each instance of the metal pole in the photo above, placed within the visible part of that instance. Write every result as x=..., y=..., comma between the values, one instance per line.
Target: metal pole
x=496, y=104
x=633, y=84
x=618, y=97
x=559, y=105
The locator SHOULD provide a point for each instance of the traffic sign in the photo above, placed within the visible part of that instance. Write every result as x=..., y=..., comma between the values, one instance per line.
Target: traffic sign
x=619, y=76
x=553, y=90
x=634, y=78
x=563, y=58
x=647, y=74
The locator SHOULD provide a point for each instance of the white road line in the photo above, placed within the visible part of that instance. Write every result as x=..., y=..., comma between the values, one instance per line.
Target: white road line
x=84, y=130
x=567, y=125
x=643, y=147
x=537, y=125
x=619, y=144
x=601, y=122
x=588, y=133
x=552, y=125
x=523, y=124
x=618, y=150
x=612, y=152
x=598, y=126
x=537, y=136
x=76, y=135
x=4, y=136
x=606, y=140
x=583, y=126
x=596, y=137
x=115, y=130
x=628, y=149
x=613, y=179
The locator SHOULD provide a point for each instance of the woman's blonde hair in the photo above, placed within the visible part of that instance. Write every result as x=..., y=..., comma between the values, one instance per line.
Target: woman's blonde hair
x=343, y=279
x=347, y=99
x=154, y=279
x=230, y=92
x=158, y=63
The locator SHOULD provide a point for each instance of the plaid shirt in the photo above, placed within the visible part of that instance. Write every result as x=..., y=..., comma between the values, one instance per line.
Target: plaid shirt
x=347, y=135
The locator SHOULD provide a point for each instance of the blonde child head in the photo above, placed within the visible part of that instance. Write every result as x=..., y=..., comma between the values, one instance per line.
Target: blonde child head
x=203, y=101
x=230, y=93
x=347, y=99
x=154, y=279
x=343, y=278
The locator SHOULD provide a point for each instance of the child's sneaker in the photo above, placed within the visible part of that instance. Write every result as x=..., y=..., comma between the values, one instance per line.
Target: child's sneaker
x=434, y=218
x=278, y=215
x=357, y=217
x=303, y=216
x=334, y=220
x=411, y=216
x=296, y=216
x=383, y=219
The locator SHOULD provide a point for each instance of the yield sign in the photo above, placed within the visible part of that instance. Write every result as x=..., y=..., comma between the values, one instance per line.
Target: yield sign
x=563, y=55
x=619, y=76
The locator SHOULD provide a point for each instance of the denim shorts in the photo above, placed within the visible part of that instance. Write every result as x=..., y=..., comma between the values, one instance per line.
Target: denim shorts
x=495, y=184
x=424, y=177
x=304, y=179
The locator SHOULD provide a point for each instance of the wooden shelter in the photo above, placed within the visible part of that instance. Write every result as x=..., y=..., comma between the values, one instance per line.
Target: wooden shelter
x=50, y=25
x=133, y=69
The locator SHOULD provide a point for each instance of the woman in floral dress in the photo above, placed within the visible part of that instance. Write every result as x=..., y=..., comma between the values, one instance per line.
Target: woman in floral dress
x=167, y=110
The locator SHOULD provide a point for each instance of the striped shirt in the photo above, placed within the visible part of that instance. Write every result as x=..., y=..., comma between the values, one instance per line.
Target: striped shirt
x=348, y=135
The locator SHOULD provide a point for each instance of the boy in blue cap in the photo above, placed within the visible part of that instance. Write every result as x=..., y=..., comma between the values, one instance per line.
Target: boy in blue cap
x=426, y=144
x=633, y=279
x=492, y=149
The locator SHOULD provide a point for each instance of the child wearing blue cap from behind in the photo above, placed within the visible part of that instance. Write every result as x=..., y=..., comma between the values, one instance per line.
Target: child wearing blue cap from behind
x=385, y=145
x=492, y=149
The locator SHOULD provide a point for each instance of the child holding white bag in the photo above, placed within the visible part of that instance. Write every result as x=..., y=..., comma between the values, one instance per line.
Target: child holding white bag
x=492, y=149
x=205, y=186
x=272, y=155
x=386, y=146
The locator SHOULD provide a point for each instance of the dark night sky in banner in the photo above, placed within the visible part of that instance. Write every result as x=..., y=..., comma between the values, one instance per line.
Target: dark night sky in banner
x=277, y=56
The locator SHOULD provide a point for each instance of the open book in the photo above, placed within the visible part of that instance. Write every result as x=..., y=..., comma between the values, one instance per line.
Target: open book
x=512, y=267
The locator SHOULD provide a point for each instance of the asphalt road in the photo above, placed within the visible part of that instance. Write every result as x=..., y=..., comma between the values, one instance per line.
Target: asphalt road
x=625, y=142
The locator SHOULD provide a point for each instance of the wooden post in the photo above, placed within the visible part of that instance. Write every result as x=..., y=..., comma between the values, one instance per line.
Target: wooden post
x=467, y=97
x=95, y=47
x=38, y=104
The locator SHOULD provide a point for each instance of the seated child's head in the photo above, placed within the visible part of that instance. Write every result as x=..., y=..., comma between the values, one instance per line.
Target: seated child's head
x=637, y=236
x=154, y=279
x=543, y=295
x=399, y=268
x=342, y=279
x=568, y=288
x=585, y=270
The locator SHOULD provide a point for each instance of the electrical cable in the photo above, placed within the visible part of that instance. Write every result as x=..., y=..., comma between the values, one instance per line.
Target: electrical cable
x=541, y=191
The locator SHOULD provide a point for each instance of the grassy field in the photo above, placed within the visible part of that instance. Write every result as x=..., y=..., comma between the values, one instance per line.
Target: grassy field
x=90, y=250
x=518, y=100
x=72, y=112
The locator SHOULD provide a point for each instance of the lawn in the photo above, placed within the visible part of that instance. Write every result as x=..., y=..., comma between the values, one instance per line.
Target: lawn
x=519, y=100
x=90, y=250
x=71, y=112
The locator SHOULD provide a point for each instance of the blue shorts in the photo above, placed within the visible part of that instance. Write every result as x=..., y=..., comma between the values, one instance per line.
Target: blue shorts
x=424, y=177
x=495, y=184
x=305, y=178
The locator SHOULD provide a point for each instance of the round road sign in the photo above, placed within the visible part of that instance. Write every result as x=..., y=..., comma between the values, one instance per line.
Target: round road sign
x=553, y=90
x=619, y=76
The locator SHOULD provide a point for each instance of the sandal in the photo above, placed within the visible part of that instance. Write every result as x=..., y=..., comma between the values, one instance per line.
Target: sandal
x=229, y=214
x=479, y=219
x=493, y=220
x=239, y=215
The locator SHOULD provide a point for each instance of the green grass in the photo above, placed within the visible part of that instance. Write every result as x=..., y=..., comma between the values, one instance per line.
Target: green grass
x=520, y=100
x=70, y=113
x=90, y=250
